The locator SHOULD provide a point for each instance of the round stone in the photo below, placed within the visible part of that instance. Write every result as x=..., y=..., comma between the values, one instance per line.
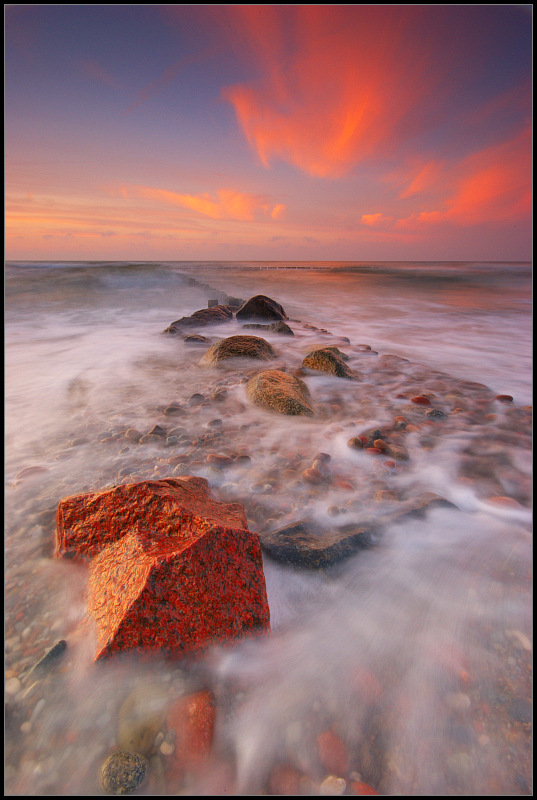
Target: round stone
x=123, y=772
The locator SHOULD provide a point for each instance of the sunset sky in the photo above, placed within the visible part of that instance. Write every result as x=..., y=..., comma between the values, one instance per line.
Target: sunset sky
x=268, y=132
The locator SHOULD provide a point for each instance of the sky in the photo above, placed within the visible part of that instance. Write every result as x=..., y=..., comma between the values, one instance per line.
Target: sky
x=268, y=132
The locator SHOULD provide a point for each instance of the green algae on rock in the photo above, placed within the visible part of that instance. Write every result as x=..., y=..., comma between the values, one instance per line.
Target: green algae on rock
x=238, y=347
x=278, y=391
x=329, y=360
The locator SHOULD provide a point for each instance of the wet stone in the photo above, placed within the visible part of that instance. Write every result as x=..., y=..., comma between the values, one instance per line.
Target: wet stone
x=123, y=772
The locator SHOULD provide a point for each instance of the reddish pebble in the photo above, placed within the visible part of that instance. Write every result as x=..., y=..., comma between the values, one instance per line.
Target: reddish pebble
x=380, y=444
x=192, y=719
x=374, y=451
x=389, y=464
x=362, y=788
x=421, y=400
x=312, y=475
x=333, y=753
x=504, y=398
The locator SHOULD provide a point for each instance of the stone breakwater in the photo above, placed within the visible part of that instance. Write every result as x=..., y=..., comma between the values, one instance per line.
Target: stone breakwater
x=175, y=568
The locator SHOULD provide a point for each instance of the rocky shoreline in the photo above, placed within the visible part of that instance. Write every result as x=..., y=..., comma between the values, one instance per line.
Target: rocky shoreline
x=334, y=505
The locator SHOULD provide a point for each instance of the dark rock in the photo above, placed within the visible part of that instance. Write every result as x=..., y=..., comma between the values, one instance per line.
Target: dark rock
x=238, y=347
x=280, y=327
x=278, y=391
x=49, y=660
x=156, y=430
x=123, y=772
x=235, y=302
x=261, y=307
x=304, y=544
x=196, y=338
x=329, y=361
x=205, y=316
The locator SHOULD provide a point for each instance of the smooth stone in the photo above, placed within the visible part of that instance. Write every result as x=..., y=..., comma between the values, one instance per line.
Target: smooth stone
x=332, y=786
x=421, y=400
x=140, y=718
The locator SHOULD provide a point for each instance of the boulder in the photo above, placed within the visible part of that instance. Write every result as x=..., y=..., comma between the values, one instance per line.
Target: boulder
x=305, y=544
x=329, y=360
x=205, y=316
x=261, y=307
x=278, y=391
x=172, y=570
x=238, y=347
x=87, y=523
x=280, y=327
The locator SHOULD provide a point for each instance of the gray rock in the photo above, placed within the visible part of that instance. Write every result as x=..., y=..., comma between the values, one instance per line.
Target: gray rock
x=123, y=772
x=306, y=545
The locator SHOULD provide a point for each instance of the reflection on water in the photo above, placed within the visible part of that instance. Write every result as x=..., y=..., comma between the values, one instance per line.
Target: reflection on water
x=415, y=654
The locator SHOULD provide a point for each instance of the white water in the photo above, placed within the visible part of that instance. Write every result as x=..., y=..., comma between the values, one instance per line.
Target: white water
x=437, y=616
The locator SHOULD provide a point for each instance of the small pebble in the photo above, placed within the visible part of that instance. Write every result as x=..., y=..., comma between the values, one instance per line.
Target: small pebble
x=12, y=686
x=332, y=786
x=355, y=443
x=123, y=772
x=312, y=475
x=421, y=400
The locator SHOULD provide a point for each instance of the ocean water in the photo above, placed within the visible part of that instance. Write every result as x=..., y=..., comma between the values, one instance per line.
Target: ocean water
x=417, y=651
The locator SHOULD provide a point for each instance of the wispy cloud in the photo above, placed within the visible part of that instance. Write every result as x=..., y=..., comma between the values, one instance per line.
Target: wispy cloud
x=225, y=204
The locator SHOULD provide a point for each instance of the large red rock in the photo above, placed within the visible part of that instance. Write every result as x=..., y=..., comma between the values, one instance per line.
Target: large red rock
x=86, y=523
x=171, y=568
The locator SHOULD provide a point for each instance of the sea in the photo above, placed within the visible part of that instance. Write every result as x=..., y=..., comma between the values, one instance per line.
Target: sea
x=414, y=653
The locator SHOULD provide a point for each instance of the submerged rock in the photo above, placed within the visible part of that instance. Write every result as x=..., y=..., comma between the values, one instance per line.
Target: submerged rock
x=329, y=360
x=304, y=544
x=238, y=347
x=280, y=327
x=205, y=316
x=278, y=391
x=172, y=569
x=261, y=307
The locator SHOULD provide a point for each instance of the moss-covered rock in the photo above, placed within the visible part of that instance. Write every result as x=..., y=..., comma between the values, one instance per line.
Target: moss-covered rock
x=238, y=347
x=281, y=392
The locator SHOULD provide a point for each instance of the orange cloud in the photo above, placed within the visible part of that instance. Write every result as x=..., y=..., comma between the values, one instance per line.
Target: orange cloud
x=344, y=92
x=228, y=204
x=375, y=220
x=426, y=178
x=494, y=185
